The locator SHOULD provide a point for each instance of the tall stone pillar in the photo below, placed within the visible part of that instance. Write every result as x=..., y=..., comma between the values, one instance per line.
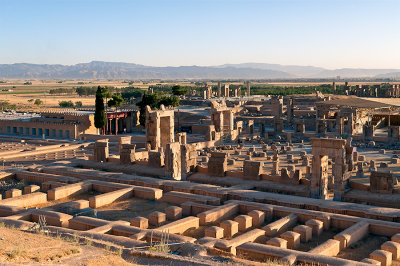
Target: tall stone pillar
x=368, y=133
x=173, y=160
x=278, y=126
x=275, y=168
x=226, y=90
x=181, y=137
x=319, y=177
x=299, y=129
x=248, y=88
x=290, y=110
x=393, y=134
x=339, y=125
x=262, y=129
x=122, y=141
x=219, y=90
x=350, y=126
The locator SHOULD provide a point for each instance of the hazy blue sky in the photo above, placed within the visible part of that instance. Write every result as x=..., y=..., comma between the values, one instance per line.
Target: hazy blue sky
x=326, y=33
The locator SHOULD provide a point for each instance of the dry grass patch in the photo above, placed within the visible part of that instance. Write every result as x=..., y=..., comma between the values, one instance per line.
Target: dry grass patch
x=20, y=247
x=107, y=260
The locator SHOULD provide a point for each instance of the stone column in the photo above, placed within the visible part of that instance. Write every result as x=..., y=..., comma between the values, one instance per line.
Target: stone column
x=393, y=134
x=319, y=177
x=123, y=140
x=290, y=110
x=275, y=168
x=101, y=151
x=173, y=160
x=368, y=133
x=339, y=125
x=116, y=125
x=278, y=126
x=181, y=137
x=350, y=126
x=262, y=130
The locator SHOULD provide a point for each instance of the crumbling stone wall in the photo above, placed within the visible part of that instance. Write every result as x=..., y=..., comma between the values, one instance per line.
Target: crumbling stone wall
x=381, y=182
x=218, y=164
x=159, y=127
x=321, y=149
x=101, y=150
x=156, y=158
x=252, y=169
x=127, y=153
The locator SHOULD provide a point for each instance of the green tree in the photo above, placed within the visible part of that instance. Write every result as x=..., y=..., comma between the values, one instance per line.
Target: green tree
x=38, y=102
x=66, y=104
x=115, y=101
x=78, y=104
x=179, y=90
x=154, y=100
x=99, y=113
x=6, y=106
x=130, y=92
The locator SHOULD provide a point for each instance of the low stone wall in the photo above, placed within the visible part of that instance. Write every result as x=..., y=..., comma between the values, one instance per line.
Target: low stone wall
x=280, y=225
x=330, y=247
x=52, y=218
x=10, y=210
x=41, y=150
x=37, y=177
x=83, y=223
x=352, y=234
x=359, y=186
x=108, y=198
x=181, y=197
x=147, y=234
x=69, y=190
x=262, y=252
x=194, y=208
x=105, y=187
x=218, y=213
x=230, y=245
x=182, y=225
x=147, y=193
x=24, y=201
x=209, y=190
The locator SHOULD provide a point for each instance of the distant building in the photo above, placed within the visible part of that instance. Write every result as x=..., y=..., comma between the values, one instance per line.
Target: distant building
x=66, y=125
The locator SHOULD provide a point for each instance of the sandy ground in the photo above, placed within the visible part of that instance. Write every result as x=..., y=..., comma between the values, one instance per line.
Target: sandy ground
x=17, y=248
x=127, y=209
x=392, y=101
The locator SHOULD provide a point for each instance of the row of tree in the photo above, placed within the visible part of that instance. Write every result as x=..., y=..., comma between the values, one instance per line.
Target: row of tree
x=279, y=90
x=6, y=106
x=70, y=104
x=81, y=91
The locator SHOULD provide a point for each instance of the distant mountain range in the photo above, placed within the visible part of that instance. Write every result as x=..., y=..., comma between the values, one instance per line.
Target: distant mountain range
x=112, y=70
